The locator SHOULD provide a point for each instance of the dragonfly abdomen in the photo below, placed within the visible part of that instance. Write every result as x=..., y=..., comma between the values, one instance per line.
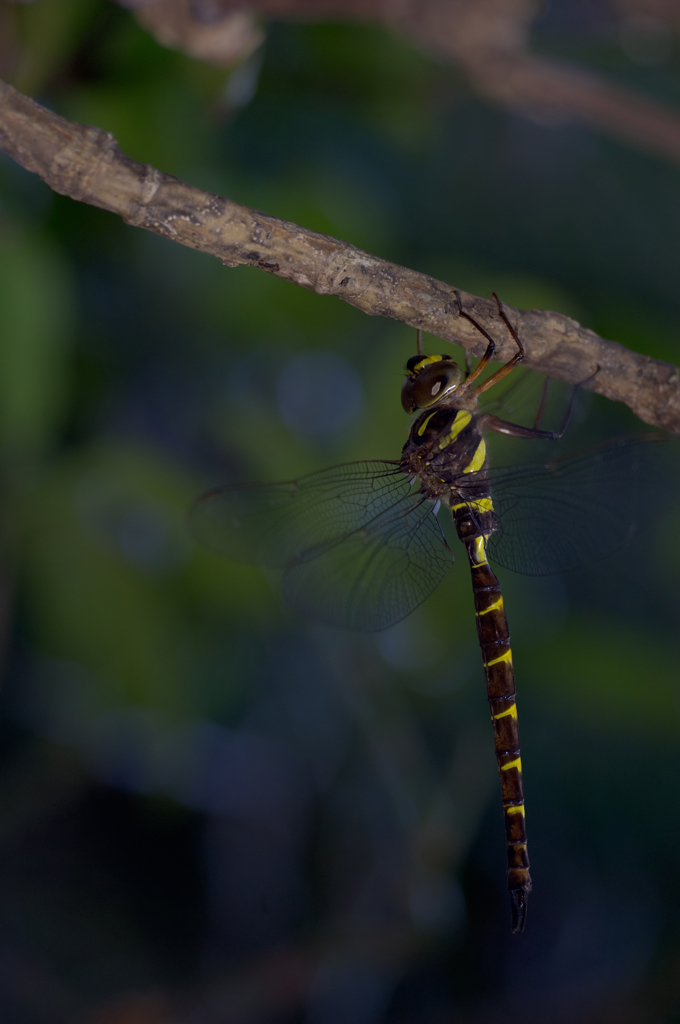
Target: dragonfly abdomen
x=494, y=640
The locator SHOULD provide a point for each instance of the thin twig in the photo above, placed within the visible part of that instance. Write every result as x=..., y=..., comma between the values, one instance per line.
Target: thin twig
x=86, y=164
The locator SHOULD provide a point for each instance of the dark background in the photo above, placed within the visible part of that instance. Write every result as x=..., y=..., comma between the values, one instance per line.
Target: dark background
x=211, y=810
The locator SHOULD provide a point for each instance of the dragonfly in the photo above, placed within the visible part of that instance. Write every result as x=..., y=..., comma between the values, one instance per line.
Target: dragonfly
x=360, y=545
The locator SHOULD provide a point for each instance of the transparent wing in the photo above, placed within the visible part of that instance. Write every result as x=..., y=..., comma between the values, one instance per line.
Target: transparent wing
x=377, y=575
x=520, y=396
x=571, y=511
x=358, y=546
x=270, y=524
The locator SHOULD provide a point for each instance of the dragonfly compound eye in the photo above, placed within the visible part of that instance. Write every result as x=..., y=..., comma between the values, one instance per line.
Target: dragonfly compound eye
x=429, y=379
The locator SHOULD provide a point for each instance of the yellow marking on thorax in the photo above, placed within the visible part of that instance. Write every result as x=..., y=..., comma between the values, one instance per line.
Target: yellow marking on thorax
x=512, y=711
x=457, y=427
x=504, y=657
x=476, y=505
x=517, y=763
x=478, y=459
x=515, y=810
x=479, y=551
x=425, y=361
x=493, y=608
x=423, y=425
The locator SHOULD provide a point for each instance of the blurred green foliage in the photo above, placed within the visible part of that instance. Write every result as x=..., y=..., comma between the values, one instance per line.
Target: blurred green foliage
x=134, y=374
x=37, y=302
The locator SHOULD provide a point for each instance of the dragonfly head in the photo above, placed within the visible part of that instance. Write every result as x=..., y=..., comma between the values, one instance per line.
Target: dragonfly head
x=428, y=379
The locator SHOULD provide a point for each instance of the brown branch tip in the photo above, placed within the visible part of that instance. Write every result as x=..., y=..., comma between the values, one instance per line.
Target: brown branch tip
x=85, y=163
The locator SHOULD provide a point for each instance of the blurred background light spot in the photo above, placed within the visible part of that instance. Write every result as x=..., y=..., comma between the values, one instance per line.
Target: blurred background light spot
x=143, y=536
x=411, y=645
x=140, y=529
x=320, y=397
x=242, y=84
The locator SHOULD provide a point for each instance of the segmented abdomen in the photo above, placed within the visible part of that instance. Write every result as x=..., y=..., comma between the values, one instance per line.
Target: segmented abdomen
x=474, y=521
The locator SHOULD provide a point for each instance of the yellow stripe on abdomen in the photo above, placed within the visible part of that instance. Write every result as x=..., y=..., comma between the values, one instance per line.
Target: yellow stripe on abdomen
x=492, y=607
x=512, y=711
x=475, y=505
x=506, y=656
x=479, y=551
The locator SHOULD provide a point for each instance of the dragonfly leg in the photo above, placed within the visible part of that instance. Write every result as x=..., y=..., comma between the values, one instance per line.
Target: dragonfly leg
x=510, y=366
x=491, y=347
x=491, y=422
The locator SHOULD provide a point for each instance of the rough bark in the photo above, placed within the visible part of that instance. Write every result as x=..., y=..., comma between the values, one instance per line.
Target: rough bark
x=85, y=163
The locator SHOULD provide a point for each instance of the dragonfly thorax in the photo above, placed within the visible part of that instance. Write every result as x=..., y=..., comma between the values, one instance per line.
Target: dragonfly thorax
x=445, y=448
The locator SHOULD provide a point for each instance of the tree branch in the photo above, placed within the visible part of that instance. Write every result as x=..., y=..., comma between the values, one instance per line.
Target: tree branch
x=86, y=164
